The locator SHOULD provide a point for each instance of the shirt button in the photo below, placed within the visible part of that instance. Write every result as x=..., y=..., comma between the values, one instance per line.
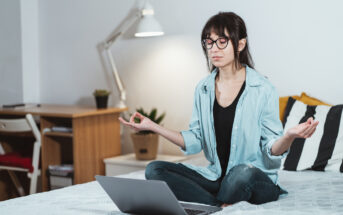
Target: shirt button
x=235, y=127
x=233, y=146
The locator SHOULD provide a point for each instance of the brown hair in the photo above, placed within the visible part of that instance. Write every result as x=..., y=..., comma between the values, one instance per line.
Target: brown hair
x=236, y=29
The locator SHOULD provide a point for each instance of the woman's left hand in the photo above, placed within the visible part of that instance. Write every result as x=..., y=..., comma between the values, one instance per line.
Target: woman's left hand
x=303, y=130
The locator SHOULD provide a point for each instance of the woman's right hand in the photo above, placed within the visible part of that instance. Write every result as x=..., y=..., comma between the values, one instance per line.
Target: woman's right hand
x=145, y=122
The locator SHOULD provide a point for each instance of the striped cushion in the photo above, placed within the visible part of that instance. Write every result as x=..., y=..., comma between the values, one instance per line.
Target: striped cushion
x=324, y=150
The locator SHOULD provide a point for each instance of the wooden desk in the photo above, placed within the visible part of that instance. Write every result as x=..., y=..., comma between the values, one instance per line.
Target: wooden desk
x=95, y=136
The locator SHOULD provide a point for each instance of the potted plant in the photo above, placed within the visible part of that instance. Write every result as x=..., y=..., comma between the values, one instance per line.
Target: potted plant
x=145, y=143
x=101, y=97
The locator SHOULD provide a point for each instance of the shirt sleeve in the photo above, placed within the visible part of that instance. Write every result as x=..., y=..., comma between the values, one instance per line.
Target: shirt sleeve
x=271, y=125
x=192, y=137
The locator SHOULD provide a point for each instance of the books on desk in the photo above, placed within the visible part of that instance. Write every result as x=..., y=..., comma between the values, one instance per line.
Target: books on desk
x=13, y=105
x=19, y=105
x=58, y=129
x=61, y=129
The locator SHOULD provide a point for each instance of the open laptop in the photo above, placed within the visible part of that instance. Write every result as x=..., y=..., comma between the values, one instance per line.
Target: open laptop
x=151, y=197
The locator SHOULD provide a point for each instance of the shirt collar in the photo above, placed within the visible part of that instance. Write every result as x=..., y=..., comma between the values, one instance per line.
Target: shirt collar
x=253, y=79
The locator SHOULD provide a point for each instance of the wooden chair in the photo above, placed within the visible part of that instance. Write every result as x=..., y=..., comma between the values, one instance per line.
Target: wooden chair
x=13, y=161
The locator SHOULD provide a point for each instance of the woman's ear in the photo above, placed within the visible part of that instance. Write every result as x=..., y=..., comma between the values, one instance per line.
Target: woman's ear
x=241, y=44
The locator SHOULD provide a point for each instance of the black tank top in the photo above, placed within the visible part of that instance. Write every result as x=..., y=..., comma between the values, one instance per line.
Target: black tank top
x=223, y=121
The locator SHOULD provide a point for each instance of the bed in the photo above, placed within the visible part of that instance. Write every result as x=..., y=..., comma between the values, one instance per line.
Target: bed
x=310, y=192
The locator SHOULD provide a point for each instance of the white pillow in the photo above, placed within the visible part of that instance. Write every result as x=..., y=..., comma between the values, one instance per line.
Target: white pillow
x=324, y=150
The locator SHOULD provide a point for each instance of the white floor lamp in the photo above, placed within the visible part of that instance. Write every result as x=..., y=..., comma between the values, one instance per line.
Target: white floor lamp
x=147, y=27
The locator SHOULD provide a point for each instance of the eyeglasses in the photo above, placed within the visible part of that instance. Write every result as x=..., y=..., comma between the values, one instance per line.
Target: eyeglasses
x=221, y=43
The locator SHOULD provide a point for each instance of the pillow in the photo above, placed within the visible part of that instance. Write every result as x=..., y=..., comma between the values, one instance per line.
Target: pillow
x=310, y=100
x=304, y=98
x=324, y=150
x=282, y=105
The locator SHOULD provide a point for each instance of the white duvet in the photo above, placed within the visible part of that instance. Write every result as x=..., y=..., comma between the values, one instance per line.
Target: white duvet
x=309, y=193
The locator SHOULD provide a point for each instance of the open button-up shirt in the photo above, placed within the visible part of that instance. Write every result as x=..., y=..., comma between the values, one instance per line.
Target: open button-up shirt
x=255, y=129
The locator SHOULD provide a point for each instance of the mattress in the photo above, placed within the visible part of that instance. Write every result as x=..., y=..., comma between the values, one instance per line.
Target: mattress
x=309, y=193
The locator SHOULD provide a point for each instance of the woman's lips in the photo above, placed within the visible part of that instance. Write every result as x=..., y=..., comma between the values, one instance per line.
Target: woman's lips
x=216, y=58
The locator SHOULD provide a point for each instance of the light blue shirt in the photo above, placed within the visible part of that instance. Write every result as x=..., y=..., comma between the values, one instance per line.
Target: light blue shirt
x=255, y=129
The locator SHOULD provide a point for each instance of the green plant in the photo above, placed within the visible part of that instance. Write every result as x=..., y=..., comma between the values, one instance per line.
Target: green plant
x=101, y=92
x=152, y=116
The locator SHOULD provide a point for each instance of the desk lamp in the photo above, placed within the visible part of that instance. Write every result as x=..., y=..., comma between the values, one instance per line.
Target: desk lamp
x=147, y=27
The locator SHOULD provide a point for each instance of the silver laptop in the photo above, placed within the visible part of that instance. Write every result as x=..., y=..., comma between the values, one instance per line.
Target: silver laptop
x=151, y=197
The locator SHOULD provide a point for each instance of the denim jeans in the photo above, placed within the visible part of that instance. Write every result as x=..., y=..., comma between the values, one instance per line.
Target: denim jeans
x=242, y=183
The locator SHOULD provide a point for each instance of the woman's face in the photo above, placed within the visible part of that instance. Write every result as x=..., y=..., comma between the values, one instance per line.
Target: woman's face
x=221, y=57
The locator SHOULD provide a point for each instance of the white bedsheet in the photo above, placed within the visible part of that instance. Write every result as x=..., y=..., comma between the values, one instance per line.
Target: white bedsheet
x=309, y=193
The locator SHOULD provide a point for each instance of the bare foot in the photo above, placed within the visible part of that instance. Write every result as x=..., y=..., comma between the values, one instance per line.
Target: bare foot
x=225, y=205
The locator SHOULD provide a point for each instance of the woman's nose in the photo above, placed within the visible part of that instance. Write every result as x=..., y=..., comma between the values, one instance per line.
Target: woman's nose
x=214, y=48
x=213, y=51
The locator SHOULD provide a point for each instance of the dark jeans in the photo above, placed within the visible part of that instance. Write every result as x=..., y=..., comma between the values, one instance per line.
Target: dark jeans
x=242, y=183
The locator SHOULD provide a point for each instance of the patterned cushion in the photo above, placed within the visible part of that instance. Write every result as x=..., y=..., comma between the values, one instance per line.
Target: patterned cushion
x=324, y=150
x=303, y=97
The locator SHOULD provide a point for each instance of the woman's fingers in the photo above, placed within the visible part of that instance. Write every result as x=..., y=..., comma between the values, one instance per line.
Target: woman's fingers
x=139, y=115
x=303, y=127
x=312, y=129
x=309, y=130
x=123, y=121
x=129, y=124
x=310, y=121
x=312, y=133
x=132, y=118
x=136, y=114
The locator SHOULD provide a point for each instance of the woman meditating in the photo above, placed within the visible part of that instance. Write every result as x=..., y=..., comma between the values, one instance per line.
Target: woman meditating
x=235, y=121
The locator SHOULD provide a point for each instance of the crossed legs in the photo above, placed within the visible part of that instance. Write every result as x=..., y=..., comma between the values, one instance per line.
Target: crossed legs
x=242, y=183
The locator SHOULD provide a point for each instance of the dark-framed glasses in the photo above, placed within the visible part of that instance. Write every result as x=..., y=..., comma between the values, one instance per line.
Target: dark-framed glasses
x=221, y=42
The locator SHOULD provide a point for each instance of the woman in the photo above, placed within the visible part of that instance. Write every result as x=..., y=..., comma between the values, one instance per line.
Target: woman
x=235, y=121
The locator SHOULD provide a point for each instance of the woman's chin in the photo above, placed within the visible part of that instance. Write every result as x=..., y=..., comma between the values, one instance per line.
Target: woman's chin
x=222, y=65
x=218, y=65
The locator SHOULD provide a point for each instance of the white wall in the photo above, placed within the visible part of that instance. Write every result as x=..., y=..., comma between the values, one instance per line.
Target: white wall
x=10, y=52
x=19, y=57
x=295, y=43
x=30, y=50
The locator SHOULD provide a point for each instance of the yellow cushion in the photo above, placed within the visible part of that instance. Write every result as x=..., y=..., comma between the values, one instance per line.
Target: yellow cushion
x=310, y=100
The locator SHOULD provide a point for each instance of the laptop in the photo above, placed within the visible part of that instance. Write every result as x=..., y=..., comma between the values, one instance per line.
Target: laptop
x=151, y=197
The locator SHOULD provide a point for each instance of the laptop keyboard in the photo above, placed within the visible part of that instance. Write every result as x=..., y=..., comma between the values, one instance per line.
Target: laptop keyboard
x=193, y=211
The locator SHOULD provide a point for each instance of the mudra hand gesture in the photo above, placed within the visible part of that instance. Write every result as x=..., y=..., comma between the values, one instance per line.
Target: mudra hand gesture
x=145, y=122
x=303, y=130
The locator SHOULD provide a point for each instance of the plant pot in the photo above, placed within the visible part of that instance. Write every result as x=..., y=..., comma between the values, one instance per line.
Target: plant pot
x=101, y=101
x=145, y=145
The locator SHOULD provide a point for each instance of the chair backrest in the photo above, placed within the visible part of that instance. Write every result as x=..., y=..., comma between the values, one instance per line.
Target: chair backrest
x=20, y=125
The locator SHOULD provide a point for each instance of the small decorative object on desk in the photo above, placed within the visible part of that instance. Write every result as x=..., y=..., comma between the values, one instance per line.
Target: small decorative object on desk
x=61, y=175
x=61, y=129
x=145, y=143
x=101, y=98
